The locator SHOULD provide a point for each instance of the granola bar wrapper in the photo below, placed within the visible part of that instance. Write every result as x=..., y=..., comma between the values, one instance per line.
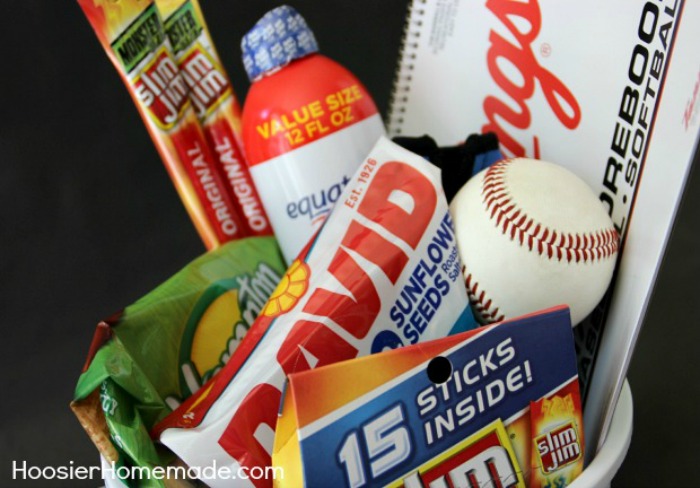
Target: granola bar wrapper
x=148, y=358
x=132, y=34
x=382, y=272
x=216, y=105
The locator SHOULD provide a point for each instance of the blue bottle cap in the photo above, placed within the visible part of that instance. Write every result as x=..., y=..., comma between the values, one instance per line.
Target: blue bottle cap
x=278, y=38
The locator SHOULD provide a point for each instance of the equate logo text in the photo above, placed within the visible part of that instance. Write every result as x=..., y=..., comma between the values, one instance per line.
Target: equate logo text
x=318, y=205
x=514, y=112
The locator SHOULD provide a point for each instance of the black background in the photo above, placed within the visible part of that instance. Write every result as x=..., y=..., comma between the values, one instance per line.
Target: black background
x=90, y=222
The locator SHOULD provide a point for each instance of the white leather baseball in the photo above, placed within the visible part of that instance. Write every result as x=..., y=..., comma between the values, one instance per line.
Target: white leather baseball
x=532, y=235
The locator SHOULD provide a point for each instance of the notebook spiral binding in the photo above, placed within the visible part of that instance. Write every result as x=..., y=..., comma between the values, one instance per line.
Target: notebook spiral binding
x=401, y=86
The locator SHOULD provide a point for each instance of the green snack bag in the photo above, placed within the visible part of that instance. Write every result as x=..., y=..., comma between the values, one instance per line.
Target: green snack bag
x=155, y=353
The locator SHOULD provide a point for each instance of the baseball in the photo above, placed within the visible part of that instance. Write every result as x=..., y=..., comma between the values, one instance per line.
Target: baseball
x=532, y=235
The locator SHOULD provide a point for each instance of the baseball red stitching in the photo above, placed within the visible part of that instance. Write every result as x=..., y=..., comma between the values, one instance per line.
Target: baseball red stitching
x=480, y=302
x=516, y=224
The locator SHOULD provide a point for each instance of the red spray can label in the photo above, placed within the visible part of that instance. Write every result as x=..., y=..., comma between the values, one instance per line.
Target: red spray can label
x=307, y=125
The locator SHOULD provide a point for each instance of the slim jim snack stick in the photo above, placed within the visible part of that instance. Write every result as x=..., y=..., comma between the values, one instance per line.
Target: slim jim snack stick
x=132, y=34
x=215, y=104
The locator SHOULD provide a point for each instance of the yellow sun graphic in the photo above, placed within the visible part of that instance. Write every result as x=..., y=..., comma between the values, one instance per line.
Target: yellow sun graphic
x=294, y=284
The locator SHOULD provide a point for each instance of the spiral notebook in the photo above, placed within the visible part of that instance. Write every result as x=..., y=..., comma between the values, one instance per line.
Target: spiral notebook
x=607, y=89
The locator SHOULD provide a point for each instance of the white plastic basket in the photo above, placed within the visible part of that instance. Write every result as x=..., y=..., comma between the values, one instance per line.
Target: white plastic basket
x=601, y=470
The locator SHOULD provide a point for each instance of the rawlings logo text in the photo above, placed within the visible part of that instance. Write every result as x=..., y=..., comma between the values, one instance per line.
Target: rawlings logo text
x=515, y=112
